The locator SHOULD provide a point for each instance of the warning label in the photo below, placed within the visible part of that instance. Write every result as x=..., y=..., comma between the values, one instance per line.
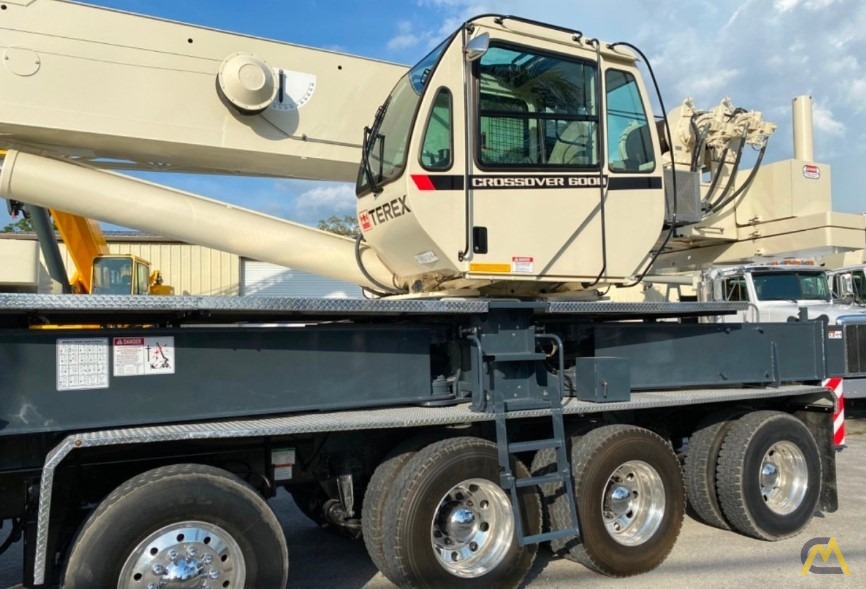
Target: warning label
x=522, y=264
x=283, y=459
x=82, y=364
x=143, y=356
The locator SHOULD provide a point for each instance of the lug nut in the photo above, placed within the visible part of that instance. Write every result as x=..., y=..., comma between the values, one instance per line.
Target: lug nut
x=207, y=559
x=158, y=569
x=214, y=574
x=191, y=550
x=172, y=554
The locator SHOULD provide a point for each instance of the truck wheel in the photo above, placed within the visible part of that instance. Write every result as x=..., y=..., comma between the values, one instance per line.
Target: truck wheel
x=380, y=487
x=185, y=524
x=769, y=475
x=700, y=465
x=544, y=463
x=450, y=524
x=630, y=499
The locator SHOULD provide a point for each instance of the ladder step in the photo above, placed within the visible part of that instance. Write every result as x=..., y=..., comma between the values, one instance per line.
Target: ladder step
x=533, y=445
x=517, y=356
x=557, y=477
x=525, y=404
x=548, y=536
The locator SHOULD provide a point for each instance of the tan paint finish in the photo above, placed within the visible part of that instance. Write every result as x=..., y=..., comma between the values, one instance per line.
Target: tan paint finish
x=130, y=202
x=110, y=84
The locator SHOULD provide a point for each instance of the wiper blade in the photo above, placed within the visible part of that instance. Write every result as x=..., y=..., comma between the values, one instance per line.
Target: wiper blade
x=371, y=133
x=365, y=162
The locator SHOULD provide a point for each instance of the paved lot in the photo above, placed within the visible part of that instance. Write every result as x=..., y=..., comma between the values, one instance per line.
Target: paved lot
x=703, y=557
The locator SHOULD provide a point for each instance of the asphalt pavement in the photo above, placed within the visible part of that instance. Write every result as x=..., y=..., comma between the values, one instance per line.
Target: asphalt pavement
x=703, y=556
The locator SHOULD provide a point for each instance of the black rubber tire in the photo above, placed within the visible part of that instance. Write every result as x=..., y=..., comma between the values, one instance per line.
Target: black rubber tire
x=177, y=493
x=544, y=463
x=738, y=476
x=417, y=490
x=700, y=465
x=594, y=458
x=380, y=487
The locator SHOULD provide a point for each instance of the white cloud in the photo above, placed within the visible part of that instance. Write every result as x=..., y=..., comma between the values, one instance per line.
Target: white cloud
x=857, y=95
x=323, y=201
x=785, y=5
x=714, y=83
x=788, y=5
x=824, y=121
x=405, y=38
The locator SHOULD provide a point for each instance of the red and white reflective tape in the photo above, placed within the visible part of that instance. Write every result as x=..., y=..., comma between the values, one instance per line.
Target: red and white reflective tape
x=835, y=385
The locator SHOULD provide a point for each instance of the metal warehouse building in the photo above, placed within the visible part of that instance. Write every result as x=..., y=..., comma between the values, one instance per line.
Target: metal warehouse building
x=190, y=269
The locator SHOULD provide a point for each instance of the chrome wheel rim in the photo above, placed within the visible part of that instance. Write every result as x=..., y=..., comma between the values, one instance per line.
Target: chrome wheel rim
x=633, y=503
x=185, y=554
x=784, y=477
x=472, y=528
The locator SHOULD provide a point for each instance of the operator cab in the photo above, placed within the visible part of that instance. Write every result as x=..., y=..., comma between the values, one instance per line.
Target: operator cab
x=122, y=274
x=516, y=158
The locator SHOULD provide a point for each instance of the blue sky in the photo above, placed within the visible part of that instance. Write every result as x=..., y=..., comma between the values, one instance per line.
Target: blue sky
x=761, y=53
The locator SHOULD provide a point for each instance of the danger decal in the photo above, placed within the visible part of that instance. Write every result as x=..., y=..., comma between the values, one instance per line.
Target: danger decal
x=143, y=356
x=811, y=172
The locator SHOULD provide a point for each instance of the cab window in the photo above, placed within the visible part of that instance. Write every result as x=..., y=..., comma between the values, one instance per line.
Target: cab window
x=735, y=289
x=536, y=110
x=436, y=150
x=629, y=142
x=142, y=279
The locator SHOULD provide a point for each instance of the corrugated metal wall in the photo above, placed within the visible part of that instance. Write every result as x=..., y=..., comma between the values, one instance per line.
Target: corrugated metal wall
x=269, y=280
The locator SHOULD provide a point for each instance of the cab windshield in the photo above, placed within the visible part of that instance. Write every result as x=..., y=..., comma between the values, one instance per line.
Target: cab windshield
x=386, y=141
x=791, y=286
x=112, y=276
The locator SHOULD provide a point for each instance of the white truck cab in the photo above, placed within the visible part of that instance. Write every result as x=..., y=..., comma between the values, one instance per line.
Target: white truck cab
x=848, y=284
x=778, y=293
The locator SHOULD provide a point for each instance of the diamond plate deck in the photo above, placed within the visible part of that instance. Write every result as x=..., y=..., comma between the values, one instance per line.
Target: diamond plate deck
x=66, y=309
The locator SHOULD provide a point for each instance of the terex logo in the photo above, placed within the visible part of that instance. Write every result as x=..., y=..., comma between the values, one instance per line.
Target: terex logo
x=384, y=212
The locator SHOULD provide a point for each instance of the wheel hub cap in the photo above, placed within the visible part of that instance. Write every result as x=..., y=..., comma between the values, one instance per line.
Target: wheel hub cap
x=461, y=525
x=620, y=500
x=633, y=503
x=472, y=528
x=784, y=477
x=185, y=555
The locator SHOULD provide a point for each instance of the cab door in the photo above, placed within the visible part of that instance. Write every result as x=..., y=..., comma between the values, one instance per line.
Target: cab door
x=543, y=203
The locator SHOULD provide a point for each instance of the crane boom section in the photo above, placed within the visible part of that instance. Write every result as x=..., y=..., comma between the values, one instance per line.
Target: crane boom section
x=85, y=242
x=141, y=92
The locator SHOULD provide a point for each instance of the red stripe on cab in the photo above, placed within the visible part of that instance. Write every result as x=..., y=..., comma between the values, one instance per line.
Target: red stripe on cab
x=423, y=182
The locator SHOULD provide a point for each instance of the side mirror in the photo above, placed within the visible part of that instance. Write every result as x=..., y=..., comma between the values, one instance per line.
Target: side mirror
x=476, y=47
x=845, y=285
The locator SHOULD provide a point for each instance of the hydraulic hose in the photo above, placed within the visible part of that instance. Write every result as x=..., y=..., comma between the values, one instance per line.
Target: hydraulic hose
x=669, y=137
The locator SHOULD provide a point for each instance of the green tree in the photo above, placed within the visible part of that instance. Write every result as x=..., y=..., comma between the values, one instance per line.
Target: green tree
x=22, y=225
x=346, y=225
